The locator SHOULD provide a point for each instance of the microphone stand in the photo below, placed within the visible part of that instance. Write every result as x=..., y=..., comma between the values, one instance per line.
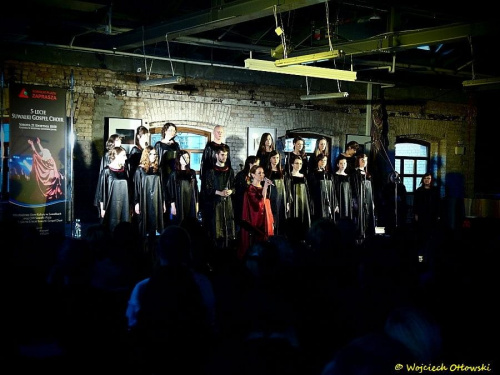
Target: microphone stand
x=396, y=181
x=328, y=193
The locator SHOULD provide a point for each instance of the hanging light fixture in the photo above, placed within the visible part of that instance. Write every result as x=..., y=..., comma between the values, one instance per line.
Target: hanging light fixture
x=301, y=70
x=331, y=95
x=161, y=81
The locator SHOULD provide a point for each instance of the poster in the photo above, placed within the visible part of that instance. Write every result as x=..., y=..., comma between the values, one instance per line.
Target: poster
x=37, y=157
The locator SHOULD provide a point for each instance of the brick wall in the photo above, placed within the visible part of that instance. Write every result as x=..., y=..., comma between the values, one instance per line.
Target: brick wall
x=100, y=93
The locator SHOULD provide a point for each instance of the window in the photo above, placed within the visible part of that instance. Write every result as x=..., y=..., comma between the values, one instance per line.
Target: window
x=411, y=161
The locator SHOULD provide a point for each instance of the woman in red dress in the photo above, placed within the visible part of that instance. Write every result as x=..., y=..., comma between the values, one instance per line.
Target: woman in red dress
x=257, y=217
x=47, y=175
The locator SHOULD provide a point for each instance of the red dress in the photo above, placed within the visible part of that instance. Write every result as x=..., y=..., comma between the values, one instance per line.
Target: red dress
x=47, y=176
x=257, y=219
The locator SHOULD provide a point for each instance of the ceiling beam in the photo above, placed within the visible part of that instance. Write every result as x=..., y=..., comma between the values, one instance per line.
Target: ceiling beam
x=194, y=41
x=222, y=16
x=402, y=40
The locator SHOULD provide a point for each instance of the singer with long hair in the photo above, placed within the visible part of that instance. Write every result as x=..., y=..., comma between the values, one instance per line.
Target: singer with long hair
x=257, y=217
x=167, y=149
x=183, y=194
x=278, y=194
x=149, y=196
x=241, y=182
x=343, y=191
x=141, y=142
x=320, y=148
x=298, y=193
x=266, y=146
x=363, y=203
x=299, y=150
x=322, y=190
x=112, y=193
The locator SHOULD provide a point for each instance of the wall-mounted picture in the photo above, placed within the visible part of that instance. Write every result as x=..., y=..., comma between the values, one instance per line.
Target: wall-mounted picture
x=253, y=138
x=126, y=127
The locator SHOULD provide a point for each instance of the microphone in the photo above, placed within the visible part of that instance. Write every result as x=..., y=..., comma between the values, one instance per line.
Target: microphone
x=268, y=181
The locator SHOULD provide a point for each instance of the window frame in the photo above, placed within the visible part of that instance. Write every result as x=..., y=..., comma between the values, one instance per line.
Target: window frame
x=400, y=162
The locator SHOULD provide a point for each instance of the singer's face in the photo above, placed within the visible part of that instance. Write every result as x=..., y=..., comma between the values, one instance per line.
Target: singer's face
x=121, y=159
x=275, y=159
x=342, y=164
x=269, y=141
x=322, y=145
x=299, y=145
x=143, y=140
x=222, y=157
x=297, y=165
x=218, y=134
x=258, y=175
x=322, y=162
x=170, y=132
x=184, y=159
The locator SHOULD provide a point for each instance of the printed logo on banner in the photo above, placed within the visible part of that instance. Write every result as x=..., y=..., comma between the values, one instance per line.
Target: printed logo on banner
x=24, y=94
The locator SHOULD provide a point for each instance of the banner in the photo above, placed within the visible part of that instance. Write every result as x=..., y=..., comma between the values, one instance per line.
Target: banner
x=37, y=157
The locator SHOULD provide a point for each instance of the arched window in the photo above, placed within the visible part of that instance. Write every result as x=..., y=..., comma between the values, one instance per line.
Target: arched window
x=411, y=161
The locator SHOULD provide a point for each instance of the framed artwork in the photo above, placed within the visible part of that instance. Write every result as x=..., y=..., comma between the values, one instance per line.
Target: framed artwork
x=253, y=138
x=364, y=141
x=126, y=127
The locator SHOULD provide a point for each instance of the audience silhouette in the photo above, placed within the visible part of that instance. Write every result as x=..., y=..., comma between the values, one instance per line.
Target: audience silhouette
x=303, y=302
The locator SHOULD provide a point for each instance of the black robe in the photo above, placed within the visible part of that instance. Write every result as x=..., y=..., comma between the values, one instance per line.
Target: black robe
x=300, y=199
x=343, y=196
x=209, y=159
x=134, y=159
x=183, y=191
x=363, y=204
x=279, y=198
x=241, y=183
x=208, y=162
x=149, y=193
x=322, y=194
x=113, y=191
x=166, y=158
x=219, y=214
x=426, y=204
x=264, y=157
